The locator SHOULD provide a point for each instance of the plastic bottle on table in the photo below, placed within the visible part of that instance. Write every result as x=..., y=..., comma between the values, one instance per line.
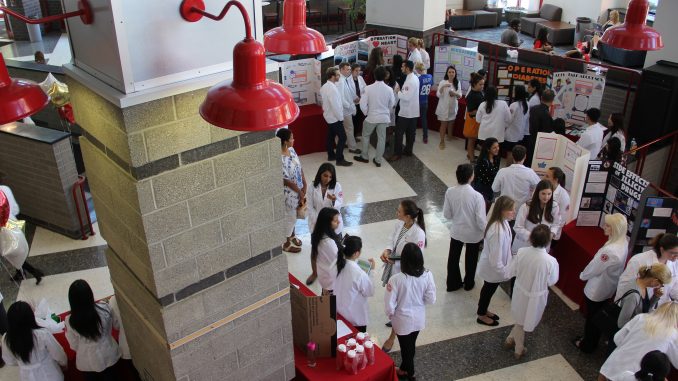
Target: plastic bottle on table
x=360, y=338
x=369, y=352
x=311, y=354
x=360, y=357
x=351, y=363
x=341, y=355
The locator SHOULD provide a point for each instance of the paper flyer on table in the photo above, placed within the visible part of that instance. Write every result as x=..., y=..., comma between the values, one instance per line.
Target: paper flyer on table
x=342, y=329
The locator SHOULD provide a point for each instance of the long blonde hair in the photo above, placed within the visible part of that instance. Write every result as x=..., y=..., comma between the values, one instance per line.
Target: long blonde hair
x=658, y=271
x=614, y=17
x=502, y=204
x=618, y=226
x=663, y=321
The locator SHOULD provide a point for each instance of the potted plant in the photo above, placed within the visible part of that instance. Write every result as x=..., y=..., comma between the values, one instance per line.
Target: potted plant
x=357, y=11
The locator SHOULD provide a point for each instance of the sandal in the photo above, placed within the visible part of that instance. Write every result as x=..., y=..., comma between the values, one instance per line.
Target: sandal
x=296, y=241
x=493, y=324
x=288, y=247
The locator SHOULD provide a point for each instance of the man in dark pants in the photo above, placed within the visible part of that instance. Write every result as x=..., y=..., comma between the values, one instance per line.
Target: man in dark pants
x=334, y=116
x=465, y=208
x=540, y=121
x=408, y=113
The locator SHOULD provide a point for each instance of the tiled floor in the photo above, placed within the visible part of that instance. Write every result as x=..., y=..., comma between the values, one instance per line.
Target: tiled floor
x=552, y=368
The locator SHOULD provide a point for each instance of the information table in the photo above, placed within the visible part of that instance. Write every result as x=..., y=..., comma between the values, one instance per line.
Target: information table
x=382, y=370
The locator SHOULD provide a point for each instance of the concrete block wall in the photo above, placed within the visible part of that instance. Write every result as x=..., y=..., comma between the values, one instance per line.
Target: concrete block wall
x=191, y=213
x=29, y=8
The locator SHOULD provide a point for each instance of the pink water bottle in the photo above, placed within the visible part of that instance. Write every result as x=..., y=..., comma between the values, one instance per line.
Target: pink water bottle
x=351, y=363
x=360, y=357
x=360, y=338
x=369, y=352
x=311, y=354
x=341, y=356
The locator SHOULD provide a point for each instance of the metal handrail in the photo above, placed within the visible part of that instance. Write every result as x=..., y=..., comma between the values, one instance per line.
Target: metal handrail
x=644, y=149
x=353, y=36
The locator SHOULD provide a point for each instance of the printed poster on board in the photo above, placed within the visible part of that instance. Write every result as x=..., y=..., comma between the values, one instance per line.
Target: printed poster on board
x=346, y=53
x=302, y=78
x=509, y=76
x=656, y=215
x=575, y=93
x=390, y=44
x=465, y=60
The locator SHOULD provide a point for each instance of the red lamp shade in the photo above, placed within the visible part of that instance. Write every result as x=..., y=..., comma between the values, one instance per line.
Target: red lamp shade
x=249, y=102
x=4, y=209
x=293, y=37
x=634, y=34
x=18, y=98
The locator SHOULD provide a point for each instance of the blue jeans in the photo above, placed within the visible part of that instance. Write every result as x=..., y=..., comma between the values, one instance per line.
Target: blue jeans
x=423, y=115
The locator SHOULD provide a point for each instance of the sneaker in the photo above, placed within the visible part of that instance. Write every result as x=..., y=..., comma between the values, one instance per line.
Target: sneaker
x=360, y=159
x=355, y=151
x=378, y=164
x=344, y=163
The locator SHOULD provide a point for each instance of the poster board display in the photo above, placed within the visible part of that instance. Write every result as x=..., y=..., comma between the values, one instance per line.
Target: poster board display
x=575, y=93
x=553, y=150
x=314, y=318
x=346, y=53
x=509, y=75
x=465, y=60
x=655, y=215
x=593, y=196
x=390, y=44
x=302, y=78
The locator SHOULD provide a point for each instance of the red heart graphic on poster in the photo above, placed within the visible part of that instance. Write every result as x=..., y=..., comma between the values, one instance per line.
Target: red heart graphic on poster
x=375, y=43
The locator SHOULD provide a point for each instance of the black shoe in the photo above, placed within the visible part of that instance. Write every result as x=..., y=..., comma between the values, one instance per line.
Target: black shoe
x=355, y=151
x=389, y=324
x=344, y=163
x=376, y=163
x=17, y=277
x=2, y=363
x=360, y=159
x=493, y=324
x=494, y=317
x=455, y=288
x=331, y=158
x=469, y=286
x=408, y=154
x=38, y=276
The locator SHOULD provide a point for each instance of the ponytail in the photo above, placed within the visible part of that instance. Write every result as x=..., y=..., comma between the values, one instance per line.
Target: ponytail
x=422, y=224
x=351, y=245
x=411, y=209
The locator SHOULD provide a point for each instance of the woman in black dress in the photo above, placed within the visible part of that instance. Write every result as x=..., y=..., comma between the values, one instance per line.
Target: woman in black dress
x=486, y=169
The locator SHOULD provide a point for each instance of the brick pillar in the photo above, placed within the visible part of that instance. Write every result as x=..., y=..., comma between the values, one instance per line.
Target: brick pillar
x=191, y=214
x=29, y=8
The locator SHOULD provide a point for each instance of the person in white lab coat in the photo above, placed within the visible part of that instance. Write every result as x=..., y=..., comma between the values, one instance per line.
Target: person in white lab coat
x=556, y=177
x=357, y=85
x=89, y=334
x=353, y=284
x=377, y=103
x=654, y=366
x=540, y=210
x=464, y=207
x=425, y=57
x=348, y=101
x=592, y=138
x=601, y=276
x=615, y=129
x=493, y=115
x=413, y=51
x=535, y=271
x=408, y=113
x=410, y=228
x=644, y=333
x=639, y=300
x=333, y=113
x=405, y=300
x=496, y=257
x=33, y=349
x=448, y=93
x=516, y=181
x=325, y=247
x=519, y=123
x=664, y=250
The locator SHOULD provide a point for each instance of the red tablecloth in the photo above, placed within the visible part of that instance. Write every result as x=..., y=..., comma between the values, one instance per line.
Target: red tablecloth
x=382, y=370
x=310, y=130
x=434, y=124
x=575, y=249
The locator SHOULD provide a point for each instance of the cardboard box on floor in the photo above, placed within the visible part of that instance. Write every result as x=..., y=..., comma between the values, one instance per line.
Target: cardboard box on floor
x=314, y=319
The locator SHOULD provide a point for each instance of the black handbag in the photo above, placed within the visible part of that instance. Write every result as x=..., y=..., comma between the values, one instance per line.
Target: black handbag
x=606, y=318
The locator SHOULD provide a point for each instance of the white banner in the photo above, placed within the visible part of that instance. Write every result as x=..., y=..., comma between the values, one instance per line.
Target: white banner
x=576, y=93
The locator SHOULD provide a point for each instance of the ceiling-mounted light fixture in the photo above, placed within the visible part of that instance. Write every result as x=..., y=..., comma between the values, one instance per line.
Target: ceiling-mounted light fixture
x=633, y=34
x=249, y=102
x=294, y=37
x=19, y=98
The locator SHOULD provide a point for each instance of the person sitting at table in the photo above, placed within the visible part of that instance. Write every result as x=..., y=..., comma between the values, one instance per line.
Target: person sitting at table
x=32, y=348
x=556, y=177
x=405, y=300
x=541, y=42
x=601, y=276
x=615, y=128
x=89, y=334
x=611, y=153
x=541, y=210
x=510, y=35
x=325, y=247
x=353, y=284
x=613, y=20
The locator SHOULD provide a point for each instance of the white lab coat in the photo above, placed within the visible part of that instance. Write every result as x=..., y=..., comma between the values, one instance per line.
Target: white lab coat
x=448, y=105
x=348, y=106
x=633, y=342
x=425, y=58
x=315, y=202
x=45, y=358
x=409, y=97
x=95, y=356
x=326, y=263
x=535, y=271
x=496, y=255
x=516, y=181
x=352, y=287
x=415, y=56
x=592, y=139
x=465, y=208
x=648, y=258
x=333, y=108
x=619, y=135
x=561, y=196
x=516, y=127
x=624, y=376
x=122, y=337
x=405, y=301
x=493, y=125
x=378, y=102
x=414, y=235
x=523, y=227
x=13, y=205
x=602, y=273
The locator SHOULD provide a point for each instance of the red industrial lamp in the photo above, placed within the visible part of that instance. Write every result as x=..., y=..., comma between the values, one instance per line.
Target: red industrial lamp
x=18, y=98
x=634, y=34
x=249, y=102
x=84, y=11
x=294, y=37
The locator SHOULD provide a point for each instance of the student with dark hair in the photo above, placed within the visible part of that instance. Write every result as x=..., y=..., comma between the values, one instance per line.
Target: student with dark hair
x=473, y=100
x=535, y=271
x=448, y=94
x=615, y=129
x=408, y=113
x=540, y=121
x=493, y=115
x=612, y=152
x=294, y=188
x=374, y=60
x=592, y=138
x=397, y=70
x=556, y=177
x=541, y=210
x=541, y=41
x=486, y=169
x=510, y=35
x=516, y=181
x=654, y=366
x=407, y=295
x=353, y=285
x=33, y=349
x=325, y=248
x=518, y=125
x=334, y=116
x=377, y=103
x=464, y=207
x=89, y=334
x=664, y=250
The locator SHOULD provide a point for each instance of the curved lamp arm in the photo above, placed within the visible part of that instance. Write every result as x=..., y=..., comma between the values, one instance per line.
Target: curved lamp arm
x=194, y=10
x=84, y=11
